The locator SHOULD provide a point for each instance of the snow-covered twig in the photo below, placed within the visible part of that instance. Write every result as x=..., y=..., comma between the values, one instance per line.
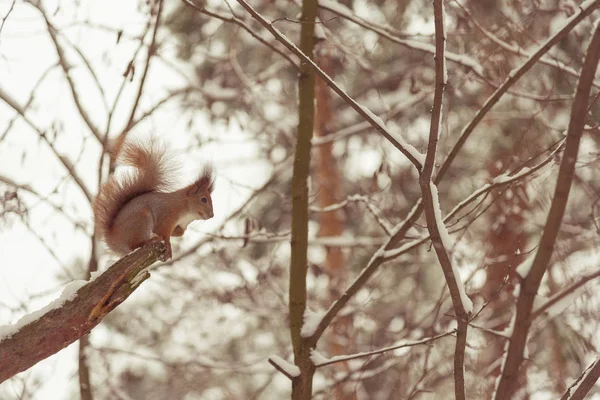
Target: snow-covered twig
x=337, y=359
x=286, y=368
x=564, y=293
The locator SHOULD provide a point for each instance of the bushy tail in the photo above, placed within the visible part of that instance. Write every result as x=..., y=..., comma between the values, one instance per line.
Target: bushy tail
x=154, y=171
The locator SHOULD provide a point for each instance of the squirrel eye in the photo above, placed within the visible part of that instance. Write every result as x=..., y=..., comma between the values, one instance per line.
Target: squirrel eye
x=203, y=200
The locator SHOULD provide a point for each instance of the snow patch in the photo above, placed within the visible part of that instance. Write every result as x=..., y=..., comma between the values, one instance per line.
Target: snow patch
x=311, y=322
x=289, y=368
x=68, y=294
x=467, y=304
x=318, y=358
x=524, y=268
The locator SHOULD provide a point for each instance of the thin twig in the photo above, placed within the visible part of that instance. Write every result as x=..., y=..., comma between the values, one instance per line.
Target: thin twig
x=152, y=49
x=12, y=6
x=338, y=359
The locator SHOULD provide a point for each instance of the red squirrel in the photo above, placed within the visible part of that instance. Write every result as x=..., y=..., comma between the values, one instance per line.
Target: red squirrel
x=140, y=206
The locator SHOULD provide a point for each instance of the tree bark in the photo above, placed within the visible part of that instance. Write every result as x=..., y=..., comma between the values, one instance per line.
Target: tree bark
x=302, y=384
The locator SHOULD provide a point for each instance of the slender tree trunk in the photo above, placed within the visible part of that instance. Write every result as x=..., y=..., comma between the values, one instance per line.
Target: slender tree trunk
x=302, y=384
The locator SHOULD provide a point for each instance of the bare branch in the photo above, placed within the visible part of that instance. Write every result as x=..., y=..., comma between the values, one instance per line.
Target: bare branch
x=10, y=9
x=151, y=52
x=302, y=346
x=431, y=204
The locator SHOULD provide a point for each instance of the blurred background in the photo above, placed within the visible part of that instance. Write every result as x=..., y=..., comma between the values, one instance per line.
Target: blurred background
x=216, y=86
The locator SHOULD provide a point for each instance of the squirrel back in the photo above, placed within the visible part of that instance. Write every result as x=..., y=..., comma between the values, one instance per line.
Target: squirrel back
x=154, y=172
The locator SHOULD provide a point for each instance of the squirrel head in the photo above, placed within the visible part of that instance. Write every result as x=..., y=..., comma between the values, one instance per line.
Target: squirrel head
x=199, y=194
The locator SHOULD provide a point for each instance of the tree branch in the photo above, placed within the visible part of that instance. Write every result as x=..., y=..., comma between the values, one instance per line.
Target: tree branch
x=435, y=225
x=75, y=313
x=531, y=282
x=584, y=383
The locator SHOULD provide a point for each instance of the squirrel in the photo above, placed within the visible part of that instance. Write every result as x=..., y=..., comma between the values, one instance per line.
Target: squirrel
x=142, y=206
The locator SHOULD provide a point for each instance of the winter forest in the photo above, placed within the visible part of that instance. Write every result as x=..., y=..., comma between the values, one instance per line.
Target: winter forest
x=406, y=199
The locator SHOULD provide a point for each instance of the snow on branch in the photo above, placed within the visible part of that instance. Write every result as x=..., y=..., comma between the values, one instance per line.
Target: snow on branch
x=564, y=295
x=80, y=308
x=288, y=369
x=321, y=361
x=388, y=251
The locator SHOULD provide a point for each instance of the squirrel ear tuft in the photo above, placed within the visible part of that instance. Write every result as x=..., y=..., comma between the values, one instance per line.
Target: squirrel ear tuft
x=206, y=181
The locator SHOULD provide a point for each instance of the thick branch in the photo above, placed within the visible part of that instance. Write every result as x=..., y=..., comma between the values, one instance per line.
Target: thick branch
x=63, y=325
x=531, y=283
x=584, y=383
